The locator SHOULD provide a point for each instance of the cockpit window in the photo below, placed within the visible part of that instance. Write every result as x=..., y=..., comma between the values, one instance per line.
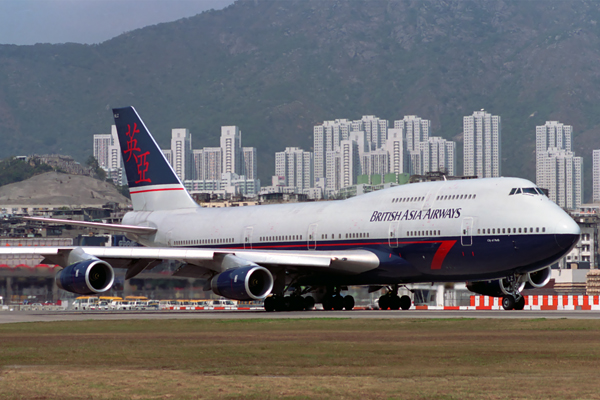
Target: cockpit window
x=530, y=191
x=512, y=191
x=518, y=191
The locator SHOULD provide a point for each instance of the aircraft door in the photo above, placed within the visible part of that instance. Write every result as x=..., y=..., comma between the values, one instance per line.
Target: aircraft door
x=312, y=237
x=248, y=237
x=466, y=233
x=394, y=232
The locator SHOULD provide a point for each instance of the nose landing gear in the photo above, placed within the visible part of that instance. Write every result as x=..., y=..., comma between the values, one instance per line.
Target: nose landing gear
x=513, y=299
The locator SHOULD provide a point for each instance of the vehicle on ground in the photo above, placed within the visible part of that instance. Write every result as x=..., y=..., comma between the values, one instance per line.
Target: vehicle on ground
x=496, y=234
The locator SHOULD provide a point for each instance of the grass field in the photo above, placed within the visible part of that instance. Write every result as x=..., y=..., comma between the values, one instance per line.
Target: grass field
x=301, y=359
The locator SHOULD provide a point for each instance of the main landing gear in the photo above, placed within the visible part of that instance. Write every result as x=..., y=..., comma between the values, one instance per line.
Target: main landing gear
x=392, y=301
x=289, y=303
x=338, y=302
x=513, y=299
x=332, y=300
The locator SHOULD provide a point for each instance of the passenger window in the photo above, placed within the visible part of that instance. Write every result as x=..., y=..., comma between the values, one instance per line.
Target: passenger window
x=503, y=230
x=543, y=229
x=519, y=230
x=479, y=231
x=474, y=195
x=537, y=230
x=494, y=230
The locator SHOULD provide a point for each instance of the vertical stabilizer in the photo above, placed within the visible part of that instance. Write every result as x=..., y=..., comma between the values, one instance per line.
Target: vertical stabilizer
x=152, y=182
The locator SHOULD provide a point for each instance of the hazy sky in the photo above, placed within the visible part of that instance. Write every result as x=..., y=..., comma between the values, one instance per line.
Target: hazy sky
x=89, y=21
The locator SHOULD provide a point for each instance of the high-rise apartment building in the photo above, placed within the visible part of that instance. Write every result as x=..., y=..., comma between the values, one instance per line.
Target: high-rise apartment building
x=437, y=154
x=551, y=135
x=108, y=154
x=250, y=170
x=231, y=143
x=296, y=167
x=557, y=167
x=395, y=149
x=416, y=131
x=482, y=134
x=181, y=153
x=596, y=175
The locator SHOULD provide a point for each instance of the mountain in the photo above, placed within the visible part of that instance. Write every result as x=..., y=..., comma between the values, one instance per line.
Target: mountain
x=277, y=68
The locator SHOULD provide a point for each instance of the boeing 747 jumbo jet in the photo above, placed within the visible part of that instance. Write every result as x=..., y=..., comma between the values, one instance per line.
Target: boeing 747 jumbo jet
x=497, y=234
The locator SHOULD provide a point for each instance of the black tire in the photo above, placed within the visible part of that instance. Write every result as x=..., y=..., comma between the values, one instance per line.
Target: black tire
x=327, y=303
x=281, y=304
x=309, y=303
x=508, y=302
x=269, y=304
x=405, y=302
x=297, y=303
x=348, y=303
x=520, y=304
x=384, y=302
x=394, y=303
x=338, y=302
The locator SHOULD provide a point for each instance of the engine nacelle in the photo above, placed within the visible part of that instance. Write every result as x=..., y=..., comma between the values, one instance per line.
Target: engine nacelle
x=250, y=282
x=495, y=288
x=539, y=278
x=86, y=277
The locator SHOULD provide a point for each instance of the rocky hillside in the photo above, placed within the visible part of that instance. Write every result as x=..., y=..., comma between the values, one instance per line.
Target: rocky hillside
x=276, y=68
x=56, y=189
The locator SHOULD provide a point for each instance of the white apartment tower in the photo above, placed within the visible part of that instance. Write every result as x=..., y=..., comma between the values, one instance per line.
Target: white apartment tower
x=482, y=134
x=557, y=167
x=349, y=162
x=416, y=131
x=181, y=153
x=108, y=153
x=250, y=170
x=395, y=149
x=231, y=143
x=296, y=167
x=596, y=174
x=437, y=154
x=552, y=135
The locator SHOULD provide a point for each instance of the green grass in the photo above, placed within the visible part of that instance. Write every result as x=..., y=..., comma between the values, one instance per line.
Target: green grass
x=297, y=359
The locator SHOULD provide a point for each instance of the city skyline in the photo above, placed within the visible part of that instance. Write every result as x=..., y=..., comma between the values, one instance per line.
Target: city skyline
x=367, y=146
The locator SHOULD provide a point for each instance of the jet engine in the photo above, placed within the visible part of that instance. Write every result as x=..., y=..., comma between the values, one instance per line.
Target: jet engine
x=86, y=277
x=245, y=281
x=495, y=288
x=539, y=278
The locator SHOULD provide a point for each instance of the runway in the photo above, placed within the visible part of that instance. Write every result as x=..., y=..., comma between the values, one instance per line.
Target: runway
x=7, y=317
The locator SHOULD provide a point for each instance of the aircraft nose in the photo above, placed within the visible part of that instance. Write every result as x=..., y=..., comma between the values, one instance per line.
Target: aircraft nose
x=566, y=232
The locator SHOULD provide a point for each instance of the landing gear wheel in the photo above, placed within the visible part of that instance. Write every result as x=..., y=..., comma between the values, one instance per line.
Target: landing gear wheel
x=338, y=302
x=394, y=302
x=296, y=303
x=309, y=303
x=508, y=302
x=520, y=304
x=348, y=303
x=269, y=304
x=328, y=303
x=384, y=302
x=405, y=302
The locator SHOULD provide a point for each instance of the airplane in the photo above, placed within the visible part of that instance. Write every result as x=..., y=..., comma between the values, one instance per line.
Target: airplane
x=496, y=234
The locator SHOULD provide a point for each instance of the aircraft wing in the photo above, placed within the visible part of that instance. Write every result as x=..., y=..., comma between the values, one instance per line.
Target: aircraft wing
x=205, y=261
x=139, y=230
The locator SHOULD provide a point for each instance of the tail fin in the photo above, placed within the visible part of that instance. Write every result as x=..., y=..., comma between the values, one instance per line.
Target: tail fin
x=152, y=182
